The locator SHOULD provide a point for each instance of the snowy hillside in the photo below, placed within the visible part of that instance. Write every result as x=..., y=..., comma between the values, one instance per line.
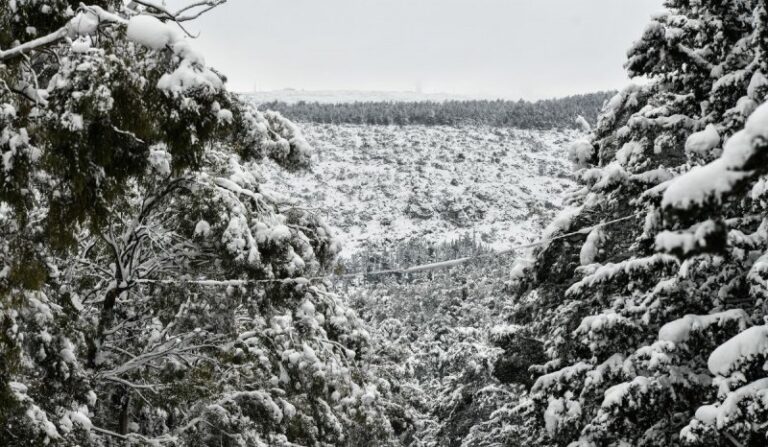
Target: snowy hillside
x=381, y=185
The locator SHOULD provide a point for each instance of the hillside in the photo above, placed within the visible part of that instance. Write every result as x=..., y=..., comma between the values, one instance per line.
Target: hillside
x=380, y=186
x=409, y=195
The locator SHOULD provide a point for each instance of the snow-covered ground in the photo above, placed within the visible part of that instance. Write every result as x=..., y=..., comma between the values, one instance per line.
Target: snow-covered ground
x=381, y=185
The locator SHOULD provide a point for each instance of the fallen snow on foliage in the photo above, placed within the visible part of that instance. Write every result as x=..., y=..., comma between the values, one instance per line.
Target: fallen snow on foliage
x=547, y=381
x=700, y=183
x=758, y=81
x=203, y=228
x=557, y=410
x=714, y=180
x=679, y=331
x=160, y=159
x=84, y=23
x=702, y=143
x=630, y=152
x=719, y=415
x=758, y=273
x=151, y=32
x=591, y=246
x=609, y=271
x=561, y=223
x=596, y=323
x=669, y=240
x=580, y=152
x=617, y=394
x=191, y=72
x=746, y=345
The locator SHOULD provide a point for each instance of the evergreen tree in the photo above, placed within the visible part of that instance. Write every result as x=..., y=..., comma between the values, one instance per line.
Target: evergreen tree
x=653, y=327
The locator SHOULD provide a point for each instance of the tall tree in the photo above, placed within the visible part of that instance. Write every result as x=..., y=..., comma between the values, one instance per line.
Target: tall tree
x=150, y=289
x=654, y=327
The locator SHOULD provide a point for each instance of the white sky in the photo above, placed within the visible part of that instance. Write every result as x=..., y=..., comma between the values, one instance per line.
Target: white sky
x=499, y=48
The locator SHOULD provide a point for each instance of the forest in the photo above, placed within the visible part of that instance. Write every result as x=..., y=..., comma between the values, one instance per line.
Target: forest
x=171, y=271
x=544, y=114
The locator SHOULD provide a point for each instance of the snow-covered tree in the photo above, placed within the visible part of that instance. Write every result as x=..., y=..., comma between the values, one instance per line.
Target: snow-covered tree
x=151, y=290
x=654, y=326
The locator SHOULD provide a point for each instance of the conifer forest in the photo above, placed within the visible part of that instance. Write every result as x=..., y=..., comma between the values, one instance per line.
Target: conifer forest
x=186, y=264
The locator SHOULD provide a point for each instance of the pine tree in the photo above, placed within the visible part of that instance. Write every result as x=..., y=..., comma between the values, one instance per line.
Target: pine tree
x=653, y=326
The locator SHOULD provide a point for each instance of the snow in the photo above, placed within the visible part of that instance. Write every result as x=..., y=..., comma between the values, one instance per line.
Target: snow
x=679, y=331
x=547, y=381
x=653, y=176
x=608, y=271
x=151, y=32
x=580, y=152
x=745, y=106
x=18, y=389
x=84, y=23
x=730, y=408
x=67, y=355
x=758, y=81
x=701, y=183
x=737, y=150
x=72, y=121
x=759, y=189
x=719, y=177
x=40, y=419
x=746, y=345
x=224, y=116
x=278, y=233
x=757, y=123
x=669, y=241
x=561, y=223
x=758, y=273
x=202, y=228
x=591, y=246
x=702, y=143
x=189, y=76
x=191, y=72
x=557, y=410
x=598, y=322
x=81, y=418
x=617, y=394
x=612, y=175
x=630, y=151
x=81, y=45
x=381, y=185
x=160, y=159
x=501, y=331
x=583, y=124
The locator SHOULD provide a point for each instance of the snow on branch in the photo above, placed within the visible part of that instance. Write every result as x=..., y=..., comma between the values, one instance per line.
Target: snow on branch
x=188, y=12
x=740, y=162
x=680, y=331
x=90, y=17
x=747, y=345
x=86, y=22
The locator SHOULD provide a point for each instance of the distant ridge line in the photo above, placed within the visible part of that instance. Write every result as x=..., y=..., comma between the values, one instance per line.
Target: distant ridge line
x=541, y=114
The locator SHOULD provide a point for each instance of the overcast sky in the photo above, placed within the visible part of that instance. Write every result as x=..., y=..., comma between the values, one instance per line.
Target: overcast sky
x=505, y=48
